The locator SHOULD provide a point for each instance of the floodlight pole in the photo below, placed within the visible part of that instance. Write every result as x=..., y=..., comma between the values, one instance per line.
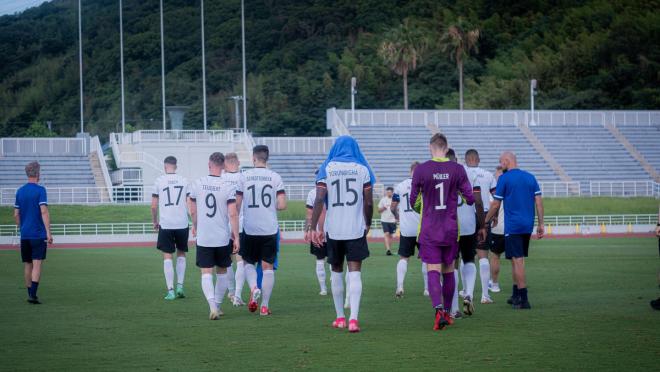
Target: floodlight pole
x=353, y=93
x=80, y=68
x=121, y=64
x=162, y=64
x=532, y=92
x=243, y=52
x=203, y=66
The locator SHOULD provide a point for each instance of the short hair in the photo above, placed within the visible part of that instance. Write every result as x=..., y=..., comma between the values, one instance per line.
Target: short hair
x=170, y=160
x=471, y=152
x=32, y=169
x=231, y=157
x=451, y=154
x=414, y=165
x=261, y=152
x=217, y=158
x=389, y=188
x=439, y=141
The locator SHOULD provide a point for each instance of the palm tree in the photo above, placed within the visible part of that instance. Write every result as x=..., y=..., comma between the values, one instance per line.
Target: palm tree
x=401, y=50
x=459, y=43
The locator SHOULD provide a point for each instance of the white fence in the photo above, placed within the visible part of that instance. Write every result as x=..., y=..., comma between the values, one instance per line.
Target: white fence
x=127, y=176
x=624, y=188
x=43, y=146
x=560, y=189
x=136, y=228
x=158, y=136
x=491, y=117
x=288, y=145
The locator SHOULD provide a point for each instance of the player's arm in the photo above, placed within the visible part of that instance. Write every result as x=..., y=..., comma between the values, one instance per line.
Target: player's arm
x=193, y=214
x=415, y=186
x=394, y=207
x=319, y=201
x=308, y=222
x=17, y=217
x=540, y=229
x=368, y=197
x=481, y=217
x=493, y=210
x=45, y=216
x=281, y=200
x=154, y=211
x=233, y=221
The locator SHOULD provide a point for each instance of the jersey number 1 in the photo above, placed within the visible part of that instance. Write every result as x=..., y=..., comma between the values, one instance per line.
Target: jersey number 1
x=442, y=204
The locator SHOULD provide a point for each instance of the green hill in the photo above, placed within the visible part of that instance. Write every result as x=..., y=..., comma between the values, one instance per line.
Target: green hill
x=301, y=55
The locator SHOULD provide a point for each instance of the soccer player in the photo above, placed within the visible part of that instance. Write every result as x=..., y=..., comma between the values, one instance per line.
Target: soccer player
x=346, y=180
x=232, y=175
x=169, y=214
x=213, y=209
x=520, y=193
x=321, y=252
x=33, y=221
x=409, y=221
x=263, y=196
x=435, y=185
x=387, y=219
x=496, y=242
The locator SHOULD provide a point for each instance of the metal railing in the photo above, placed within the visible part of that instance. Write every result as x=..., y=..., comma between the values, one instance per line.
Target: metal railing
x=133, y=158
x=158, y=136
x=64, y=195
x=43, y=146
x=132, y=228
x=623, y=188
x=127, y=176
x=288, y=145
x=95, y=146
x=560, y=189
x=493, y=117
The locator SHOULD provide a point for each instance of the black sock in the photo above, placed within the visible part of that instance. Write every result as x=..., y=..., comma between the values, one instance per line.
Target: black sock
x=35, y=286
x=515, y=291
x=523, y=294
x=29, y=289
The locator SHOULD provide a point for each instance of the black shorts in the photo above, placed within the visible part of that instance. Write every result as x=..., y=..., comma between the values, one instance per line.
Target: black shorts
x=389, y=227
x=255, y=248
x=208, y=257
x=496, y=243
x=467, y=245
x=353, y=250
x=170, y=240
x=320, y=252
x=516, y=245
x=33, y=249
x=407, y=246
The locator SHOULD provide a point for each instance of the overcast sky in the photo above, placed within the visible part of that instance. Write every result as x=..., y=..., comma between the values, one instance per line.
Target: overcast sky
x=14, y=6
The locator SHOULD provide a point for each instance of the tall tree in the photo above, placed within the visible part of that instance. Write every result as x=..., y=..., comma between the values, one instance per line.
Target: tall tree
x=458, y=43
x=402, y=49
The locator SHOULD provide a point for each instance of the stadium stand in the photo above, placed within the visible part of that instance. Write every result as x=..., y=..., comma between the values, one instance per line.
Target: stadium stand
x=56, y=171
x=646, y=140
x=296, y=168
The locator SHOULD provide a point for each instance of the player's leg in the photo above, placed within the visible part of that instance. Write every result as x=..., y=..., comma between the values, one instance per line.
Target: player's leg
x=320, y=253
x=231, y=279
x=167, y=245
x=26, y=257
x=223, y=262
x=455, y=312
x=347, y=279
x=36, y=278
x=239, y=280
x=425, y=277
x=181, y=240
x=38, y=247
x=206, y=263
x=336, y=253
x=27, y=276
x=497, y=248
x=250, y=251
x=519, y=273
x=357, y=250
x=467, y=246
x=268, y=257
x=406, y=249
x=484, y=271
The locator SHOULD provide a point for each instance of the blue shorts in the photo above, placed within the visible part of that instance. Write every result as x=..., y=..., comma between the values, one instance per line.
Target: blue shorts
x=33, y=249
x=516, y=245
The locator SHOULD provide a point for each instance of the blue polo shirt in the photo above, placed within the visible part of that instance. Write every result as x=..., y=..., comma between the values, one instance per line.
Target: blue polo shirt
x=29, y=199
x=518, y=189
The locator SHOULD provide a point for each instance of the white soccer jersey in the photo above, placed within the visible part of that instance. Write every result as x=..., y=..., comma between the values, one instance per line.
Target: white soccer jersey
x=499, y=229
x=260, y=190
x=408, y=218
x=171, y=191
x=345, y=210
x=212, y=194
x=486, y=182
x=467, y=214
x=311, y=199
x=386, y=215
x=236, y=179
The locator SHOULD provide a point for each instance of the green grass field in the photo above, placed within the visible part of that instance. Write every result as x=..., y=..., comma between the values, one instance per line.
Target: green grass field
x=296, y=210
x=103, y=311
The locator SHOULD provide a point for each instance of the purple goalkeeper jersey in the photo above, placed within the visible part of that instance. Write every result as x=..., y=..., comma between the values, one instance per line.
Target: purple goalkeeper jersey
x=439, y=181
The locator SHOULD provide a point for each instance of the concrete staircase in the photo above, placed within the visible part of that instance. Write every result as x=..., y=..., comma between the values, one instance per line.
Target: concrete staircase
x=634, y=152
x=538, y=146
x=99, y=179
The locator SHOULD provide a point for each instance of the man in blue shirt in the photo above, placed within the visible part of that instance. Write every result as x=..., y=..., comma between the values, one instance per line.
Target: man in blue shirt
x=31, y=215
x=520, y=193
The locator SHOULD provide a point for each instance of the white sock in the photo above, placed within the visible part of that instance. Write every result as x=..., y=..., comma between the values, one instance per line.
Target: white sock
x=425, y=276
x=470, y=277
x=221, y=283
x=169, y=274
x=251, y=275
x=337, y=285
x=320, y=274
x=180, y=269
x=267, y=286
x=348, y=287
x=208, y=289
x=401, y=269
x=484, y=274
x=454, y=301
x=355, y=293
x=461, y=265
x=240, y=278
x=231, y=284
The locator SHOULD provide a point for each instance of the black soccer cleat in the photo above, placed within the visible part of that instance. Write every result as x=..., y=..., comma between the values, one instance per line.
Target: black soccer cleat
x=34, y=300
x=515, y=301
x=509, y=300
x=388, y=253
x=522, y=305
x=656, y=304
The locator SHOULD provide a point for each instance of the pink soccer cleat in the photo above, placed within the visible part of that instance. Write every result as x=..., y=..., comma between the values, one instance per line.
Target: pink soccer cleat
x=339, y=323
x=353, y=326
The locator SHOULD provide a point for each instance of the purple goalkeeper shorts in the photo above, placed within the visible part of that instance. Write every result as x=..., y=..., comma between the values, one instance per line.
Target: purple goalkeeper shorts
x=431, y=254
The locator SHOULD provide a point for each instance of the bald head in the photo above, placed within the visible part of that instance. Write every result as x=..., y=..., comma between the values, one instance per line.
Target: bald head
x=508, y=161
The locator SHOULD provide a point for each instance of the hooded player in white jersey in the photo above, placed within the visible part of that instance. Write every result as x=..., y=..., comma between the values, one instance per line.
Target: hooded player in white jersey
x=409, y=223
x=320, y=252
x=233, y=175
x=486, y=182
x=346, y=181
x=263, y=196
x=213, y=211
x=170, y=218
